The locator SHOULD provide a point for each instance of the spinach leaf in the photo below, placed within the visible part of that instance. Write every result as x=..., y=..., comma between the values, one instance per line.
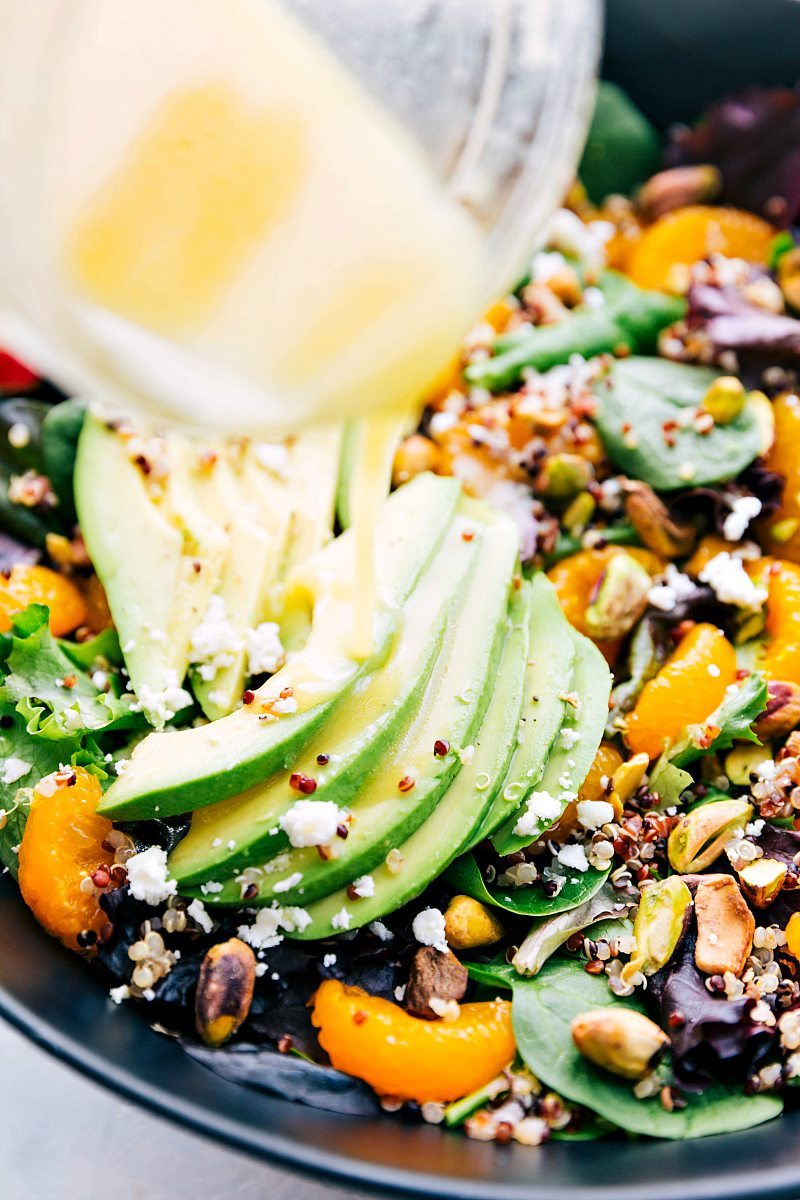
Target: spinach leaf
x=35, y=684
x=630, y=318
x=622, y=148
x=734, y=719
x=60, y=432
x=543, y=1009
x=465, y=875
x=498, y=973
x=640, y=395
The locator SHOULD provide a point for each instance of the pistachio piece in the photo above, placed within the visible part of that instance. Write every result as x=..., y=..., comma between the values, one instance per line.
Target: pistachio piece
x=620, y=600
x=563, y=476
x=628, y=776
x=620, y=1040
x=224, y=990
x=677, y=187
x=725, y=399
x=659, y=925
x=469, y=924
x=701, y=836
x=782, y=713
x=725, y=926
x=743, y=762
x=650, y=518
x=761, y=880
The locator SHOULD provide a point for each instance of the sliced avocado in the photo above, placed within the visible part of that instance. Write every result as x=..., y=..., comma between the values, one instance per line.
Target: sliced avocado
x=248, y=564
x=443, y=836
x=179, y=771
x=451, y=714
x=346, y=462
x=368, y=449
x=569, y=762
x=551, y=655
x=146, y=555
x=314, y=472
x=241, y=831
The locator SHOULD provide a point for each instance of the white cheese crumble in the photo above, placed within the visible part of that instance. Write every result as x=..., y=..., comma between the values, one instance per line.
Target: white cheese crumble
x=364, y=886
x=539, y=807
x=329, y=960
x=214, y=643
x=14, y=769
x=672, y=587
x=429, y=929
x=210, y=888
x=265, y=930
x=197, y=911
x=341, y=919
x=312, y=822
x=593, y=814
x=265, y=652
x=159, y=705
x=573, y=857
x=118, y=994
x=291, y=881
x=147, y=876
x=569, y=737
x=743, y=510
x=283, y=705
x=381, y=931
x=730, y=583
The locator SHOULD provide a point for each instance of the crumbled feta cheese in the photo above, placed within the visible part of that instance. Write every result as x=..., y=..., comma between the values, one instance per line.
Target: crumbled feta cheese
x=261, y=969
x=329, y=960
x=539, y=807
x=569, y=737
x=118, y=994
x=573, y=857
x=147, y=876
x=312, y=822
x=429, y=929
x=365, y=886
x=754, y=828
x=265, y=932
x=211, y=888
x=265, y=652
x=546, y=264
x=219, y=698
x=14, y=769
x=274, y=457
x=283, y=705
x=400, y=993
x=743, y=510
x=291, y=881
x=442, y=422
x=726, y=576
x=593, y=814
x=214, y=643
x=197, y=911
x=341, y=919
x=381, y=931
x=160, y=705
x=672, y=587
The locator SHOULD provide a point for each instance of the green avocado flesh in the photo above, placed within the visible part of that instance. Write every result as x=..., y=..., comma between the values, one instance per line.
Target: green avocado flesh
x=433, y=846
x=569, y=762
x=180, y=771
x=452, y=710
x=243, y=830
x=547, y=678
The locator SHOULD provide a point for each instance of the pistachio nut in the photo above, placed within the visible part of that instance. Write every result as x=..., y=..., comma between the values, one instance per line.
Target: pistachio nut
x=761, y=880
x=620, y=1040
x=725, y=399
x=725, y=926
x=659, y=925
x=764, y=414
x=650, y=518
x=743, y=762
x=563, y=476
x=224, y=990
x=469, y=924
x=629, y=776
x=701, y=836
x=677, y=187
x=782, y=713
x=621, y=598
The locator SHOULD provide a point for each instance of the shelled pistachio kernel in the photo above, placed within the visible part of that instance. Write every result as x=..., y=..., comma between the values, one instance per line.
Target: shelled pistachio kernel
x=659, y=925
x=621, y=598
x=725, y=399
x=620, y=1040
x=469, y=924
x=701, y=836
x=224, y=990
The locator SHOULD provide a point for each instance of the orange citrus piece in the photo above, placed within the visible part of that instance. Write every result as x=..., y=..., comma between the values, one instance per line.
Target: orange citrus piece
x=26, y=585
x=691, y=234
x=686, y=690
x=61, y=845
x=781, y=531
x=407, y=1057
x=781, y=658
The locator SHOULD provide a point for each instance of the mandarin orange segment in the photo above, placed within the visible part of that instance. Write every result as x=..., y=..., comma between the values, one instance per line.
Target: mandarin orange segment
x=407, y=1057
x=686, y=690
x=26, y=585
x=781, y=658
x=781, y=531
x=684, y=237
x=62, y=844
x=576, y=578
